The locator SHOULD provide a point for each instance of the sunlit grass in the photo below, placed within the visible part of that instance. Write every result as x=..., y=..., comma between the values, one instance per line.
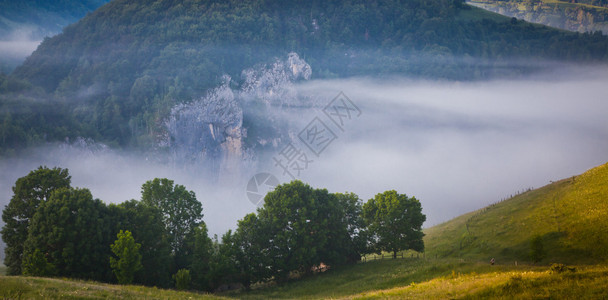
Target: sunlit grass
x=588, y=283
x=20, y=287
x=570, y=215
x=373, y=275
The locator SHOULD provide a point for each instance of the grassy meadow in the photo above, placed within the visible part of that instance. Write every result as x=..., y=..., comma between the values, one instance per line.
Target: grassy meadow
x=570, y=217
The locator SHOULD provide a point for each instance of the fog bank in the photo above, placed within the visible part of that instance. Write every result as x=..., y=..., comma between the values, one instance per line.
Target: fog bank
x=455, y=146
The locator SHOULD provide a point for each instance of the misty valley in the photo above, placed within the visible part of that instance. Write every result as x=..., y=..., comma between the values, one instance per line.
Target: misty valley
x=288, y=149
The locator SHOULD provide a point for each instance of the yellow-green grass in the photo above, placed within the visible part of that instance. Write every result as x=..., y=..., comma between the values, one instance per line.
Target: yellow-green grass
x=21, y=287
x=401, y=278
x=570, y=215
x=584, y=283
x=376, y=275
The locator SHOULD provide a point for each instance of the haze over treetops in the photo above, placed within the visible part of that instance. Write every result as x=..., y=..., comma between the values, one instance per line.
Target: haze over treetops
x=122, y=68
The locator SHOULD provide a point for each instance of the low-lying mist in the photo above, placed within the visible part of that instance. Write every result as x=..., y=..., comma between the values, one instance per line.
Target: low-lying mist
x=17, y=45
x=456, y=146
x=460, y=146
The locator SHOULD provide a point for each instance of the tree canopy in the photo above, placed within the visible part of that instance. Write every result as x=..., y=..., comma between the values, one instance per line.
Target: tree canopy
x=296, y=229
x=29, y=192
x=181, y=213
x=72, y=230
x=394, y=222
x=299, y=230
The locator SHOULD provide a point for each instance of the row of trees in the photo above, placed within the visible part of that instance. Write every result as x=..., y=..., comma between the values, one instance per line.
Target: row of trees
x=53, y=229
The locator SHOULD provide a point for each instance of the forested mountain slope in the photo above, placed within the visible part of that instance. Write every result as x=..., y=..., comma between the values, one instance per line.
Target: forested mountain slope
x=118, y=72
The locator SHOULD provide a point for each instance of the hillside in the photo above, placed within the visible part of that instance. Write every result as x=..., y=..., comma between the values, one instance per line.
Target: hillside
x=121, y=69
x=581, y=16
x=19, y=287
x=388, y=279
x=570, y=215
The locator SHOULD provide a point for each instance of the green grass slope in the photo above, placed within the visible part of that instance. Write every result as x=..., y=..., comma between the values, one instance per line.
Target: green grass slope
x=19, y=287
x=585, y=283
x=398, y=279
x=570, y=215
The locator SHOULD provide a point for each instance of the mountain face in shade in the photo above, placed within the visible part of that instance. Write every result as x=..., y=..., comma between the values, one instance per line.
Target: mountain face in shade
x=124, y=70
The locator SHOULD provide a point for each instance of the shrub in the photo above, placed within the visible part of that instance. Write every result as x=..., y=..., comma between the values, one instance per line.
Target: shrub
x=36, y=264
x=560, y=268
x=182, y=279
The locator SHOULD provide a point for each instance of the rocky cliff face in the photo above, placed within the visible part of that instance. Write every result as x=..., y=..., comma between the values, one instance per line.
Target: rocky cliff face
x=573, y=17
x=221, y=132
x=273, y=84
x=199, y=132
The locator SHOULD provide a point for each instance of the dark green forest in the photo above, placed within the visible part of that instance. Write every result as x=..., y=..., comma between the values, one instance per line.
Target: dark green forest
x=115, y=75
x=54, y=229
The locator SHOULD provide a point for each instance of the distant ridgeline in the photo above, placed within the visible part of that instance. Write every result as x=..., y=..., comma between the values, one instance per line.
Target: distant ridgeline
x=116, y=75
x=581, y=16
x=43, y=18
x=28, y=22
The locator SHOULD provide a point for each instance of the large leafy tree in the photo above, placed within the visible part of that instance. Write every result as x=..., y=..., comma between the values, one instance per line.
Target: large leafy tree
x=298, y=227
x=28, y=193
x=128, y=258
x=73, y=231
x=292, y=215
x=394, y=222
x=146, y=225
x=181, y=214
